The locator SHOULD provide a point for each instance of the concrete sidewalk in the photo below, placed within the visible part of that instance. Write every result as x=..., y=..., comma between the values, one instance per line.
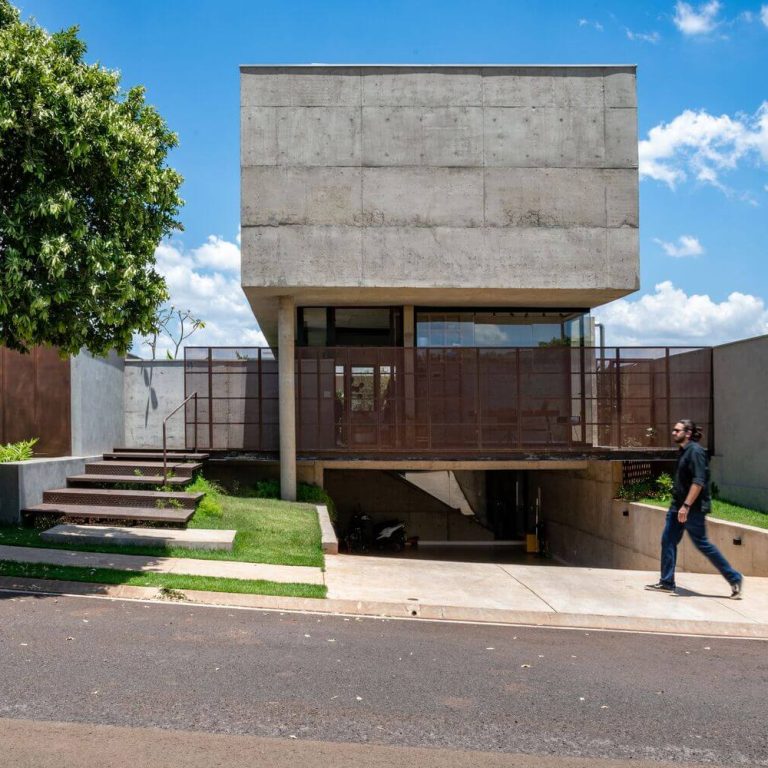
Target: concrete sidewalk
x=224, y=569
x=455, y=591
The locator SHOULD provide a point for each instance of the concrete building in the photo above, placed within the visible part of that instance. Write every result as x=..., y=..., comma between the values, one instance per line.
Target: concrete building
x=422, y=246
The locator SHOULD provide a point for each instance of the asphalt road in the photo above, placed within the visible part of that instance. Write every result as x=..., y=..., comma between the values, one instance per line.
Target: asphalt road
x=305, y=678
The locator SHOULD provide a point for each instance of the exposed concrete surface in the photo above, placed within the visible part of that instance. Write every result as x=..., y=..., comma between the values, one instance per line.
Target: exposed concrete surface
x=153, y=388
x=44, y=744
x=22, y=483
x=97, y=398
x=225, y=569
x=740, y=371
x=188, y=538
x=633, y=540
x=327, y=533
x=438, y=179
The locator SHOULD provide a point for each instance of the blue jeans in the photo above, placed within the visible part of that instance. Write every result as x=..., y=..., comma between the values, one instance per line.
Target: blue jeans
x=673, y=533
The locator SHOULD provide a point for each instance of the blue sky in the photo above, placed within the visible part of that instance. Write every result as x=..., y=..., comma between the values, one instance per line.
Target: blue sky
x=703, y=125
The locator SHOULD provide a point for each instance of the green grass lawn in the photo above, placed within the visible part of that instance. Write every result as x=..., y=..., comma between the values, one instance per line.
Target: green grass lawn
x=268, y=531
x=725, y=510
x=169, y=581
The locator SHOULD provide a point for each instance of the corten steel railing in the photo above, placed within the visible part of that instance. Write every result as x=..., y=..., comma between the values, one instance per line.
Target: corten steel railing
x=451, y=401
x=193, y=397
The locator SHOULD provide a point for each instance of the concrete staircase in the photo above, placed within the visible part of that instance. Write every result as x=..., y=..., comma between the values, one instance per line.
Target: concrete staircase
x=116, y=489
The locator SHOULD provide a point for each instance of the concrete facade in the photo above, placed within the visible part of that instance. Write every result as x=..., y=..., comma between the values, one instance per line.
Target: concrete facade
x=96, y=390
x=506, y=186
x=740, y=373
x=153, y=388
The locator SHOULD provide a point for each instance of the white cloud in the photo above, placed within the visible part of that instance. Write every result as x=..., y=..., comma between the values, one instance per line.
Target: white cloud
x=764, y=14
x=206, y=281
x=669, y=317
x=644, y=37
x=703, y=146
x=587, y=23
x=687, y=245
x=217, y=253
x=699, y=21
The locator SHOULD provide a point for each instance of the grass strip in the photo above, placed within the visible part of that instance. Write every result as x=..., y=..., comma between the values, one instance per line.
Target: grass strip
x=725, y=510
x=174, y=581
x=268, y=531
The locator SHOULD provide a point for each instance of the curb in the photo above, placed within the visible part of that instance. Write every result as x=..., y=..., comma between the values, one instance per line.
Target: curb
x=327, y=534
x=391, y=610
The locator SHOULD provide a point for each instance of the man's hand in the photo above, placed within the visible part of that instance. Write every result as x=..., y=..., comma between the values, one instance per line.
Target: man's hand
x=682, y=514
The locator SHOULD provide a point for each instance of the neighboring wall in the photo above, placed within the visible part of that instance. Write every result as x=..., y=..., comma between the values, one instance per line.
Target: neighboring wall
x=96, y=403
x=35, y=399
x=740, y=462
x=484, y=185
x=153, y=388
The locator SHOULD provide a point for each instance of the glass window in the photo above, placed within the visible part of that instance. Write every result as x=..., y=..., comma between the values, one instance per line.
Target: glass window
x=315, y=326
x=498, y=329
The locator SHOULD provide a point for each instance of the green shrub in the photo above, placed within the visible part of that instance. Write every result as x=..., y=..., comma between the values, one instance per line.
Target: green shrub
x=313, y=494
x=21, y=451
x=210, y=504
x=664, y=485
x=660, y=488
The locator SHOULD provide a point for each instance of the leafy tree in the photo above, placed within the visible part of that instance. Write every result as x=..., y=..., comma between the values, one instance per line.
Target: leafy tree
x=85, y=196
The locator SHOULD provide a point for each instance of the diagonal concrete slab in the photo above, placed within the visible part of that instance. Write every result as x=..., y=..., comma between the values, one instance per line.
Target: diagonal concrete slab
x=622, y=593
x=475, y=585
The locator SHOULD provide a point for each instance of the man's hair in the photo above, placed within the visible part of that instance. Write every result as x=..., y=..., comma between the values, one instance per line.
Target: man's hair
x=692, y=427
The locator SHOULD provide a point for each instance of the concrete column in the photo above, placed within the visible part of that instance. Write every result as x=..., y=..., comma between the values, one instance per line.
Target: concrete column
x=409, y=341
x=286, y=321
x=409, y=326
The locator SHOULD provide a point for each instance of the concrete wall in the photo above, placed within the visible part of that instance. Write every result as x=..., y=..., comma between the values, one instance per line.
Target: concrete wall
x=424, y=516
x=478, y=185
x=153, y=388
x=630, y=538
x=577, y=502
x=96, y=403
x=22, y=482
x=741, y=422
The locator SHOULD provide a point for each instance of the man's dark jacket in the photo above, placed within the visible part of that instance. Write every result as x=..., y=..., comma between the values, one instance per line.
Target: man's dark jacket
x=692, y=467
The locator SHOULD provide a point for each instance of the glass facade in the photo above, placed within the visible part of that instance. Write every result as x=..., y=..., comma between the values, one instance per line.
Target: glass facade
x=501, y=328
x=349, y=326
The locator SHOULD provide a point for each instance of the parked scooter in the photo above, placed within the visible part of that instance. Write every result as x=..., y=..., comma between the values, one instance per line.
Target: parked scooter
x=363, y=535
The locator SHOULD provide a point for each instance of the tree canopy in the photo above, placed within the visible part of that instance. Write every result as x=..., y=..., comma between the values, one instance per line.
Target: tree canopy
x=85, y=196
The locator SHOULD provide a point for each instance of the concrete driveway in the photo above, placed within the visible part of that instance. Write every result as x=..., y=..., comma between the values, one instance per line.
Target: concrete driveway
x=546, y=595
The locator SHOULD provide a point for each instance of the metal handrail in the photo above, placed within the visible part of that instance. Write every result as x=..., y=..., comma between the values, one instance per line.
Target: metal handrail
x=193, y=396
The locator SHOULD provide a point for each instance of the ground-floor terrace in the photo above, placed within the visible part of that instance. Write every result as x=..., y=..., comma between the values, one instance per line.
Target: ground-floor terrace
x=464, y=444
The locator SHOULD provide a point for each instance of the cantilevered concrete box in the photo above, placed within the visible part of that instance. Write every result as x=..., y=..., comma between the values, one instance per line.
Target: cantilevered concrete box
x=438, y=185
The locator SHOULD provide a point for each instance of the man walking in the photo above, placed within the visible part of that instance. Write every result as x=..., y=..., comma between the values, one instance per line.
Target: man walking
x=690, y=503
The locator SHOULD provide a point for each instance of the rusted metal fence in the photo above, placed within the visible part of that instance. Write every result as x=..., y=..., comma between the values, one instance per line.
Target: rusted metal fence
x=450, y=401
x=35, y=400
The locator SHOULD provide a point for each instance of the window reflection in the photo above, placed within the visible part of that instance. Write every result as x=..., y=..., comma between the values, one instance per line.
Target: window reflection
x=499, y=329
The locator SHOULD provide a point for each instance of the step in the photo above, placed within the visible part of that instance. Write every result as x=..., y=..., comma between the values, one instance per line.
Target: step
x=101, y=512
x=89, y=479
x=140, y=468
x=187, y=538
x=119, y=498
x=144, y=454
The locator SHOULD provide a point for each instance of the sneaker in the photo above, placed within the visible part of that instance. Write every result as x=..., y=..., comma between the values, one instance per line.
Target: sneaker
x=660, y=586
x=737, y=589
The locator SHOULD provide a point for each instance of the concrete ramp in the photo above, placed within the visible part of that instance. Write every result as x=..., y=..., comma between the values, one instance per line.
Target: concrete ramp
x=444, y=486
